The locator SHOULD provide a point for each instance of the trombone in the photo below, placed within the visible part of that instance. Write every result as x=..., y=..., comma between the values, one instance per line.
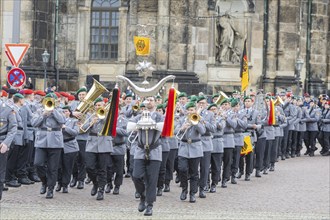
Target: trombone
x=100, y=113
x=192, y=119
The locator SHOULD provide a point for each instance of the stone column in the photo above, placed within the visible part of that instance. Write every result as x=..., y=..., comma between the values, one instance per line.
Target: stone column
x=122, y=40
x=163, y=34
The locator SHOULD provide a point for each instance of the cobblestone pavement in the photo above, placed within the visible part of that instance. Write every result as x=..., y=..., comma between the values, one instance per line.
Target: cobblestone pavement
x=298, y=189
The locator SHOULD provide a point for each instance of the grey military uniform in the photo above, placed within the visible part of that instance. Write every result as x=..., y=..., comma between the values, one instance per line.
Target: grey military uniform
x=217, y=139
x=290, y=112
x=325, y=126
x=49, y=129
x=312, y=118
x=121, y=137
x=70, y=132
x=229, y=130
x=18, y=140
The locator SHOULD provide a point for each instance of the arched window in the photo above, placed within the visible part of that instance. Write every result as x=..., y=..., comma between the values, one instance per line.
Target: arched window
x=104, y=30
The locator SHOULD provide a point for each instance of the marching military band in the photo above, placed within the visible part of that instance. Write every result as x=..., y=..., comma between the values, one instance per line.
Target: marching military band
x=45, y=138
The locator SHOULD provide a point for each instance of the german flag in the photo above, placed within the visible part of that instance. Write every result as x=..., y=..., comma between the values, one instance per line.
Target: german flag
x=168, y=127
x=244, y=73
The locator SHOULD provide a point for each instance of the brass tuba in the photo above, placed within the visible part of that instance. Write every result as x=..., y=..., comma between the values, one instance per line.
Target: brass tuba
x=48, y=104
x=88, y=103
x=222, y=96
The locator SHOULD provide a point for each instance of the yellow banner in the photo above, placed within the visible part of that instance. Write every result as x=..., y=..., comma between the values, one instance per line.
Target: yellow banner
x=247, y=148
x=142, y=45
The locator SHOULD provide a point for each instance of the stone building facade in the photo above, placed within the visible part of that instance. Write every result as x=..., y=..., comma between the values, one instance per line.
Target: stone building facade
x=199, y=41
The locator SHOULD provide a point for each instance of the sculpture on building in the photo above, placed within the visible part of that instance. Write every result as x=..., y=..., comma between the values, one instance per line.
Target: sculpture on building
x=226, y=36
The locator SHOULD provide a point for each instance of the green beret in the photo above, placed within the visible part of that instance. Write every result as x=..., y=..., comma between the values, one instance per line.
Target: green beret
x=128, y=95
x=234, y=102
x=158, y=97
x=82, y=89
x=19, y=96
x=190, y=105
x=193, y=98
x=212, y=105
x=142, y=105
x=51, y=95
x=200, y=98
x=224, y=101
x=66, y=107
x=215, y=95
x=160, y=106
x=247, y=97
x=182, y=94
x=236, y=92
x=99, y=99
x=268, y=97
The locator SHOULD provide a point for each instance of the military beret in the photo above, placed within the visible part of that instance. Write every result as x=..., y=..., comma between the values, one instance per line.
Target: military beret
x=200, y=98
x=306, y=94
x=247, y=97
x=3, y=93
x=26, y=91
x=19, y=96
x=268, y=97
x=288, y=94
x=64, y=94
x=66, y=107
x=158, y=97
x=193, y=98
x=236, y=92
x=190, y=105
x=282, y=94
x=212, y=105
x=71, y=98
x=12, y=91
x=142, y=105
x=51, y=95
x=99, y=99
x=82, y=89
x=105, y=100
x=160, y=106
x=128, y=95
x=182, y=94
x=215, y=95
x=234, y=102
x=39, y=92
x=225, y=101
x=58, y=94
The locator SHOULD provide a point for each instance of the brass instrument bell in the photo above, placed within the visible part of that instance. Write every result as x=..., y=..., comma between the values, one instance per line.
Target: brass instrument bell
x=48, y=104
x=222, y=96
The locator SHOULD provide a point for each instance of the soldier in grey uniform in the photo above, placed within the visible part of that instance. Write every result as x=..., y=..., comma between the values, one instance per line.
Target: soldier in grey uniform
x=18, y=154
x=98, y=149
x=280, y=119
x=79, y=170
x=291, y=114
x=294, y=142
x=241, y=118
x=301, y=126
x=325, y=128
x=48, y=144
x=190, y=152
x=217, y=152
x=70, y=151
x=312, y=119
x=228, y=140
x=147, y=161
x=210, y=126
x=252, y=126
x=27, y=111
x=118, y=155
x=173, y=143
x=8, y=129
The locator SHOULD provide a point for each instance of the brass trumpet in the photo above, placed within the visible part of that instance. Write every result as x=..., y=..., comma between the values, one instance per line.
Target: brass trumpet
x=48, y=104
x=135, y=108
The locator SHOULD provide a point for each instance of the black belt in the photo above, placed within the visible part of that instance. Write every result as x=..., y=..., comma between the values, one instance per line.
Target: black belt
x=191, y=141
x=29, y=126
x=50, y=129
x=217, y=136
x=3, y=133
x=20, y=128
x=118, y=144
x=229, y=132
x=93, y=134
x=276, y=125
x=70, y=139
x=238, y=132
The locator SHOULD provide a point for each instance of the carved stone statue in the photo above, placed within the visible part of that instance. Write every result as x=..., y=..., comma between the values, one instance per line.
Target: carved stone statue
x=225, y=40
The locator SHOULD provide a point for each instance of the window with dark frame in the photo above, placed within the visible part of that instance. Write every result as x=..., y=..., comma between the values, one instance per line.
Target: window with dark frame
x=104, y=30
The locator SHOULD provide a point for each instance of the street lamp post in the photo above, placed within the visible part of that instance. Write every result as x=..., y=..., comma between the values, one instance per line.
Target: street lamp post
x=45, y=59
x=299, y=65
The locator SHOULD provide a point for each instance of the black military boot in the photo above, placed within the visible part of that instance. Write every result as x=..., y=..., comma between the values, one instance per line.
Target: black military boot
x=233, y=180
x=213, y=188
x=307, y=151
x=159, y=191
x=224, y=184
x=148, y=211
x=258, y=173
x=58, y=187
x=80, y=185
x=167, y=188
x=65, y=189
x=239, y=175
x=192, y=198
x=100, y=193
x=202, y=193
x=247, y=177
x=183, y=195
x=142, y=204
x=272, y=168
x=116, y=190
x=50, y=194
x=73, y=182
x=94, y=189
x=108, y=188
